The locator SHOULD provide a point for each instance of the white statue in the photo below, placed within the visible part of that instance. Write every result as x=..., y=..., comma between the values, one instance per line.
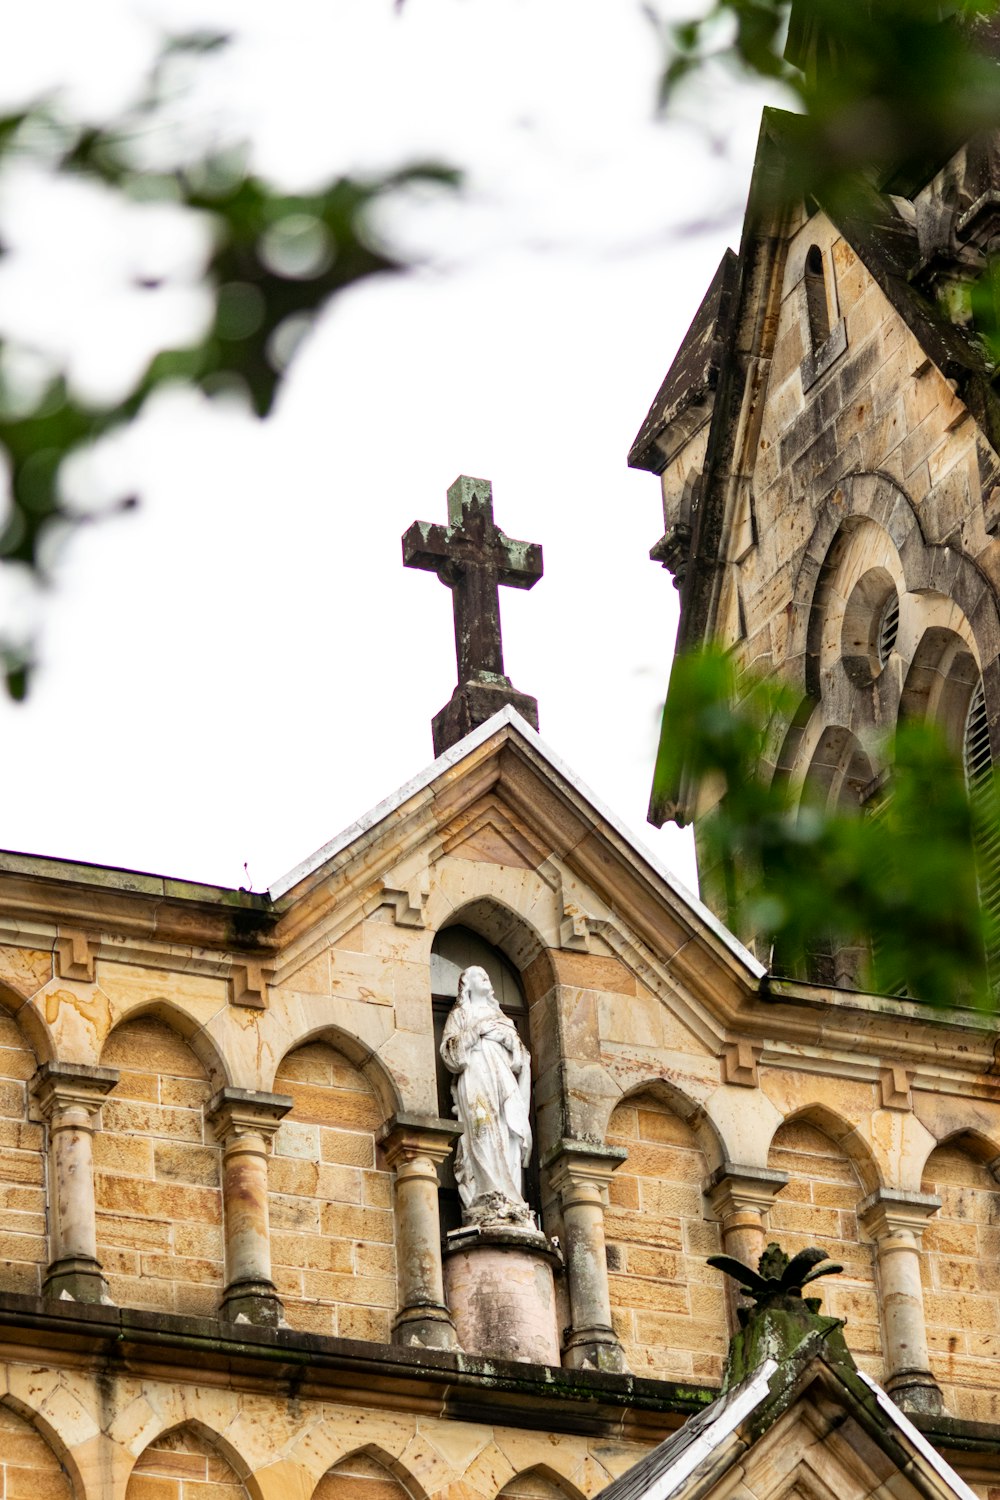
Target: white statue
x=491, y=1089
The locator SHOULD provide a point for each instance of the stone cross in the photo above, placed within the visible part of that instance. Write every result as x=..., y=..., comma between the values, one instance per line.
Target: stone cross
x=473, y=557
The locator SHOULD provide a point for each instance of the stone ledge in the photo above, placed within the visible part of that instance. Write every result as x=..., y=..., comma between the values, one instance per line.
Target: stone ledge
x=955, y=1437
x=311, y=1366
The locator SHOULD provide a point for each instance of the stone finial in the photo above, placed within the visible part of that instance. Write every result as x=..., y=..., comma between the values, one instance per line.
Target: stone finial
x=776, y=1277
x=780, y=1317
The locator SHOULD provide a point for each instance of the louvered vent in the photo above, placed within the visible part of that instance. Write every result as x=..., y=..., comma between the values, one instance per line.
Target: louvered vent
x=977, y=759
x=888, y=628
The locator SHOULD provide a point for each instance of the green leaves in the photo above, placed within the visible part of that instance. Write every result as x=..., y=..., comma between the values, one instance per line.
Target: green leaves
x=276, y=260
x=897, y=879
x=880, y=85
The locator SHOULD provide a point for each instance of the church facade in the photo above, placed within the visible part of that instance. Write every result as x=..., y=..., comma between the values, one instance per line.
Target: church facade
x=230, y=1224
x=247, y=1254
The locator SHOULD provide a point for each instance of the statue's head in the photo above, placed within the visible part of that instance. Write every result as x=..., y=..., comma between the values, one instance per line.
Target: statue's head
x=474, y=984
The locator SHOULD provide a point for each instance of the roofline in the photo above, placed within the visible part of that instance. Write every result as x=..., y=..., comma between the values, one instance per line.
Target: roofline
x=122, y=879
x=508, y=718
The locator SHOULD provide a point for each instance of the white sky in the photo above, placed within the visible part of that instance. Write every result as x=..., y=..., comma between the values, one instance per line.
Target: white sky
x=241, y=668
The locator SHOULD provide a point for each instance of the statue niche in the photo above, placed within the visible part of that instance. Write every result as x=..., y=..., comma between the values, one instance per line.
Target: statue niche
x=491, y=1093
x=498, y=1264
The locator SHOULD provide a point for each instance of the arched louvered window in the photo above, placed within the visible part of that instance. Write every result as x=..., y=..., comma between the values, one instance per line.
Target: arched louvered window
x=977, y=759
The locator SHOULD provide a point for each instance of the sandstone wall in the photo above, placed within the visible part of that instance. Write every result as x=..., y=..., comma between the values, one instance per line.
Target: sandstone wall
x=961, y=1271
x=23, y=1247
x=818, y=1206
x=332, y=1231
x=157, y=1175
x=669, y=1307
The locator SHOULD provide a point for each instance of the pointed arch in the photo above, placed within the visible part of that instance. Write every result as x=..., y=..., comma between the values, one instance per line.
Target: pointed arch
x=194, y=1433
x=356, y=1476
x=368, y=1062
x=517, y=939
x=48, y=1435
x=844, y=1133
x=687, y=1109
x=186, y=1026
x=540, y=1482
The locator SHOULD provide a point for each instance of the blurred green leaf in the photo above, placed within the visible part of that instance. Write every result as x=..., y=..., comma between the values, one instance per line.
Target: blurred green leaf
x=797, y=874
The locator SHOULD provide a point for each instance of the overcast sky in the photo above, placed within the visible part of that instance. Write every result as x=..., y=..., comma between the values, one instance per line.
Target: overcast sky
x=242, y=667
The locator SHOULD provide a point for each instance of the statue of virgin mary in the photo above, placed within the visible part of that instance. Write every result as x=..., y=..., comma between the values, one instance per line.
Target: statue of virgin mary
x=491, y=1089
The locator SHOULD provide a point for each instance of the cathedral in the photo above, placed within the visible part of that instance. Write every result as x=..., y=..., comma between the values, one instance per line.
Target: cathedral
x=402, y=1180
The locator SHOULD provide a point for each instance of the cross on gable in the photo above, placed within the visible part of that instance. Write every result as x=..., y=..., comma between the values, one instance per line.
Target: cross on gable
x=473, y=557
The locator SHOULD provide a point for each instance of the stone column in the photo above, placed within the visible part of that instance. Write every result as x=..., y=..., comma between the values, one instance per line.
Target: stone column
x=896, y=1221
x=580, y=1173
x=740, y=1198
x=69, y=1096
x=244, y=1123
x=414, y=1147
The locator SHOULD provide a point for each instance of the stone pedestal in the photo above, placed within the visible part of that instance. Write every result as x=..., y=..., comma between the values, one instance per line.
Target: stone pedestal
x=475, y=701
x=501, y=1294
x=69, y=1096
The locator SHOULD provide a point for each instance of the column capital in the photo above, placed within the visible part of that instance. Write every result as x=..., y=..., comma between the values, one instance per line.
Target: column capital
x=404, y=1137
x=891, y=1210
x=59, y=1086
x=735, y=1189
x=574, y=1163
x=233, y=1113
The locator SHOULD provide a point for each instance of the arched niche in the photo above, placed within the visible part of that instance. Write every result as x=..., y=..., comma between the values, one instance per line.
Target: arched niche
x=455, y=948
x=668, y=1311
x=22, y=1166
x=827, y=1179
x=940, y=682
x=176, y=1464
x=840, y=770
x=28, y=1466
x=960, y=1268
x=366, y=1475
x=157, y=1174
x=330, y=1198
x=539, y=1483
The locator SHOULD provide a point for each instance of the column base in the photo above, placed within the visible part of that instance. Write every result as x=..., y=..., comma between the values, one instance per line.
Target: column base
x=428, y=1327
x=78, y=1277
x=916, y=1391
x=594, y=1349
x=254, y=1302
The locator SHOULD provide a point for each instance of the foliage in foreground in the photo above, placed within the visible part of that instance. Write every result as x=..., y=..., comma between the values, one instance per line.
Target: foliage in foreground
x=881, y=84
x=898, y=881
x=275, y=261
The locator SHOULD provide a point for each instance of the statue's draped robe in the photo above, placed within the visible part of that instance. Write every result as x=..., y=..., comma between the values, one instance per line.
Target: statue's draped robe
x=492, y=1090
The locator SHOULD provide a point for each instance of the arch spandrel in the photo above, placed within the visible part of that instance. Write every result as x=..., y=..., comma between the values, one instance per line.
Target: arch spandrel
x=31, y=1442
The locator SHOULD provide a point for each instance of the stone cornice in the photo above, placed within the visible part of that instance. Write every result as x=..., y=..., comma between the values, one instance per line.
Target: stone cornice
x=132, y=904
x=200, y=1351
